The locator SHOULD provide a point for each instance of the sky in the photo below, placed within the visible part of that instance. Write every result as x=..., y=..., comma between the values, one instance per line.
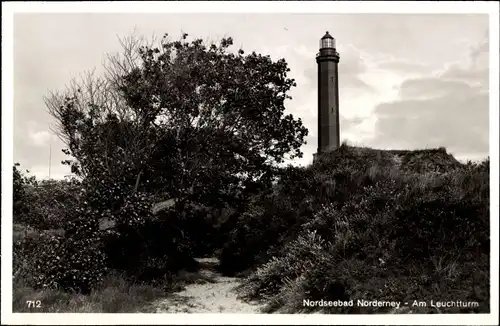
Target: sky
x=407, y=81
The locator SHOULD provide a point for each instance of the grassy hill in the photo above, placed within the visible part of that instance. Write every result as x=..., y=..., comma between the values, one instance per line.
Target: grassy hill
x=368, y=224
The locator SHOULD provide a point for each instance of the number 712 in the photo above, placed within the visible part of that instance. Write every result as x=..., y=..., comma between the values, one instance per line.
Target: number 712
x=34, y=304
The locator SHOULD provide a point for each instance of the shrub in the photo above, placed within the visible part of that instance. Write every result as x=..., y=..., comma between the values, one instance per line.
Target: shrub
x=253, y=236
x=274, y=218
x=235, y=253
x=44, y=204
x=429, y=160
x=305, y=271
x=149, y=251
x=45, y=260
x=21, y=200
x=424, y=226
x=148, y=246
x=298, y=258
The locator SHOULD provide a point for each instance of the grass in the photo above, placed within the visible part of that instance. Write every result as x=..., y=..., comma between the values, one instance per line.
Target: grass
x=117, y=295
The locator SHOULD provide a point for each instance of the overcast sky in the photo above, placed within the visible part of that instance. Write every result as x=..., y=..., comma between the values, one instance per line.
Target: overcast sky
x=406, y=81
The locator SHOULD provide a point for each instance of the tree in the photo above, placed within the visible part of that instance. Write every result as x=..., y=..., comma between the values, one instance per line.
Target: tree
x=195, y=120
x=224, y=113
x=21, y=183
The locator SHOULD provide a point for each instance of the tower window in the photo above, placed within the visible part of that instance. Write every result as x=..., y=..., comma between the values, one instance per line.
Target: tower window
x=327, y=43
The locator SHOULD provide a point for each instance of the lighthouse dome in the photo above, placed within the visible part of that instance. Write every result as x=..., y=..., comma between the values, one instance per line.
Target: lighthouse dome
x=327, y=35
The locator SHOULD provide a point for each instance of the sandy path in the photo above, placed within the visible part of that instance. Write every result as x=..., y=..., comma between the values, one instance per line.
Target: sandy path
x=212, y=293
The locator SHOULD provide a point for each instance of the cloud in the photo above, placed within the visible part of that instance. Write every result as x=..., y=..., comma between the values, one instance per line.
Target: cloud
x=402, y=66
x=475, y=69
x=40, y=138
x=432, y=87
x=458, y=123
x=479, y=53
x=479, y=76
x=348, y=124
x=32, y=148
x=448, y=108
x=354, y=61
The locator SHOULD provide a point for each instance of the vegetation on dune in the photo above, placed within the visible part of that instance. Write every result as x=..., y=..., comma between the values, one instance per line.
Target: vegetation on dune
x=356, y=226
x=202, y=129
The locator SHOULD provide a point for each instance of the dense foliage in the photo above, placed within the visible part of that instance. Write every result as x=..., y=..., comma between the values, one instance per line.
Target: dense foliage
x=44, y=204
x=20, y=187
x=190, y=115
x=184, y=121
x=367, y=228
x=47, y=260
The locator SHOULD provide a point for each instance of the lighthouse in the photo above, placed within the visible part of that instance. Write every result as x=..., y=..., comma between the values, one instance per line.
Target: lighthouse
x=328, y=96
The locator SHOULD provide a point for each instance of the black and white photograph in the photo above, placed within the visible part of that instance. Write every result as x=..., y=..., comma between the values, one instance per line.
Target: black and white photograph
x=225, y=163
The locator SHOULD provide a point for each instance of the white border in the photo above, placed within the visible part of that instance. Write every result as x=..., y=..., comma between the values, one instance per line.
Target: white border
x=464, y=7
x=8, y=10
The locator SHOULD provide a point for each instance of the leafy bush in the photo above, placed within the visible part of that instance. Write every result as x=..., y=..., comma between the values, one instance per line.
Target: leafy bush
x=21, y=199
x=149, y=251
x=52, y=202
x=148, y=246
x=43, y=204
x=45, y=260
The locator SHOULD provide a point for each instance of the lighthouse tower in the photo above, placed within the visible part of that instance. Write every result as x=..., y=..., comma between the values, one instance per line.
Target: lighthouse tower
x=328, y=96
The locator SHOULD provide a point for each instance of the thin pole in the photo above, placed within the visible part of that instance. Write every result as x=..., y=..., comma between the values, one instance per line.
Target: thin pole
x=50, y=157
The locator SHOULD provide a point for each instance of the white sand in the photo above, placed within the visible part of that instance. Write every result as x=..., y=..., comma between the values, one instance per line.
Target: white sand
x=217, y=297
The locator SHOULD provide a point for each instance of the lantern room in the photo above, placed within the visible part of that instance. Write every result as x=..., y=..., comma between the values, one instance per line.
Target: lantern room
x=327, y=42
